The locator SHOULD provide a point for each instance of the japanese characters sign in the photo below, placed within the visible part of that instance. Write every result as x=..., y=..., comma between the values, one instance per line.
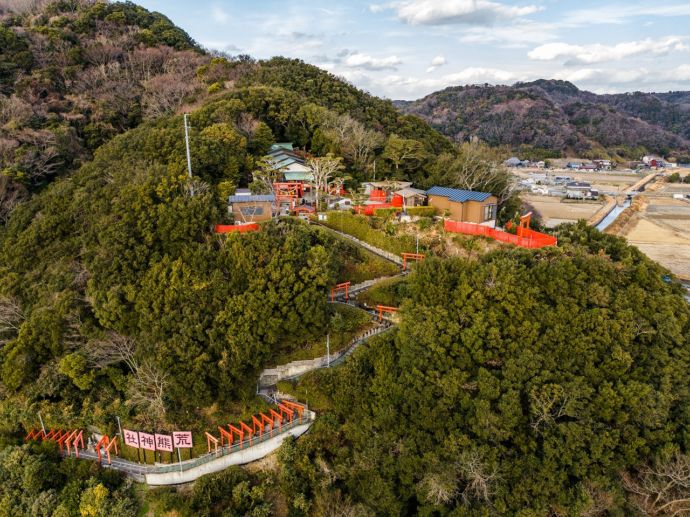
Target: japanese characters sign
x=147, y=441
x=164, y=442
x=131, y=438
x=182, y=439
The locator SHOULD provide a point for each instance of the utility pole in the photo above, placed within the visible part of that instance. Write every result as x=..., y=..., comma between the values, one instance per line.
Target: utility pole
x=328, y=350
x=189, y=155
x=119, y=426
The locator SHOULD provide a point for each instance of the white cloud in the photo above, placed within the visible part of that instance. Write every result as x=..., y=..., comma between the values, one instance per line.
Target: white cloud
x=412, y=87
x=518, y=34
x=597, y=53
x=617, y=14
x=469, y=12
x=367, y=62
x=377, y=8
x=219, y=15
x=435, y=63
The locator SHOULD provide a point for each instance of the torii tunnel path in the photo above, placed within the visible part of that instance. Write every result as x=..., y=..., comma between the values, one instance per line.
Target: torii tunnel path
x=189, y=470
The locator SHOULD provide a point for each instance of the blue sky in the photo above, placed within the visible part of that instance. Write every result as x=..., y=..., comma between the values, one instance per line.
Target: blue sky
x=408, y=48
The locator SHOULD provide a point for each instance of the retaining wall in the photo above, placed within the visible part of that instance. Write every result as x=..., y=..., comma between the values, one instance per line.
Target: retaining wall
x=241, y=457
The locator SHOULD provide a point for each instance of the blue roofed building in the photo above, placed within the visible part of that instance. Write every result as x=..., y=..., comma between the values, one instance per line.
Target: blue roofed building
x=250, y=208
x=466, y=206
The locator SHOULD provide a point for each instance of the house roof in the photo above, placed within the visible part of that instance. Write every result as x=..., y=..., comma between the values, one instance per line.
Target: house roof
x=258, y=198
x=306, y=175
x=282, y=145
x=388, y=184
x=409, y=192
x=457, y=195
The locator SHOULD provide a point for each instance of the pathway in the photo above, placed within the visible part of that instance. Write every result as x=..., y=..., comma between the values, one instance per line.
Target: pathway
x=252, y=449
x=186, y=471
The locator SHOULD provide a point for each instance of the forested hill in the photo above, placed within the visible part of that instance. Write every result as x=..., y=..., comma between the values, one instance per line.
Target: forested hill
x=554, y=118
x=73, y=74
x=120, y=249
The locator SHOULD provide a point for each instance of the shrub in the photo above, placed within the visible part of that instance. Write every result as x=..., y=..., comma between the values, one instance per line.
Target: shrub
x=422, y=211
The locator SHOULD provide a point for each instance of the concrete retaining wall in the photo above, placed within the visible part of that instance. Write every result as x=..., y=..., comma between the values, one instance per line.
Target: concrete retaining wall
x=241, y=457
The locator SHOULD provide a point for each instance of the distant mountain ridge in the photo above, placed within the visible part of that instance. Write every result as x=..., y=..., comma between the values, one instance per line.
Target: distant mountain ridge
x=555, y=118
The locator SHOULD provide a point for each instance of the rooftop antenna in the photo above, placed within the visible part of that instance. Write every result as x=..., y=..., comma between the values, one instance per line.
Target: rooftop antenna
x=189, y=156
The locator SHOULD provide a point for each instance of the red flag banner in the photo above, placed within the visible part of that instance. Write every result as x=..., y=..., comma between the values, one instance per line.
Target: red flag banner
x=131, y=438
x=147, y=441
x=182, y=439
x=164, y=442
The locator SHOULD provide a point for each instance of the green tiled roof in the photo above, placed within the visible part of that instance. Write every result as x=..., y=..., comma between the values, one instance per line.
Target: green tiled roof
x=298, y=176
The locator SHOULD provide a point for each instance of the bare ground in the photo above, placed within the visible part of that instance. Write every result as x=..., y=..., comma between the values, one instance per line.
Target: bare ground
x=660, y=228
x=554, y=210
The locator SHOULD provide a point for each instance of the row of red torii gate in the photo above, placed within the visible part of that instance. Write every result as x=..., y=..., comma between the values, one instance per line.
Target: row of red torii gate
x=71, y=442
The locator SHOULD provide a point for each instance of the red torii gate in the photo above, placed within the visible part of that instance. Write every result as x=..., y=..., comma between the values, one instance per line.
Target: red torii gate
x=35, y=434
x=289, y=191
x=419, y=257
x=107, y=443
x=340, y=287
x=211, y=439
x=524, y=223
x=297, y=407
x=387, y=309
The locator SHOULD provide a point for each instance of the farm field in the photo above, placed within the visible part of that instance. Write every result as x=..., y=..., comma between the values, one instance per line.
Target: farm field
x=555, y=211
x=661, y=229
x=614, y=181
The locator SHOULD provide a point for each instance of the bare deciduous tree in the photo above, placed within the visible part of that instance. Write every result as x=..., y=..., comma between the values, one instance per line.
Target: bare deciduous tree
x=147, y=383
x=478, y=476
x=164, y=94
x=247, y=123
x=11, y=318
x=323, y=169
x=114, y=348
x=600, y=501
x=474, y=170
x=548, y=403
x=439, y=488
x=146, y=390
x=11, y=195
x=265, y=175
x=662, y=489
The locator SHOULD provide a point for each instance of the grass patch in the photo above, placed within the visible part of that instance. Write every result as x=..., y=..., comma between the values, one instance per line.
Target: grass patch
x=346, y=323
x=388, y=292
x=372, y=230
x=309, y=389
x=366, y=266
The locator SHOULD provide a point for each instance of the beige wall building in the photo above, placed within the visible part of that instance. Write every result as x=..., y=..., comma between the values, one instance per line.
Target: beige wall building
x=464, y=205
x=247, y=208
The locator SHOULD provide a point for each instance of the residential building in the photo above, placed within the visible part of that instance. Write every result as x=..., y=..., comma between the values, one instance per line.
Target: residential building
x=387, y=186
x=464, y=205
x=412, y=196
x=580, y=190
x=292, y=164
x=250, y=208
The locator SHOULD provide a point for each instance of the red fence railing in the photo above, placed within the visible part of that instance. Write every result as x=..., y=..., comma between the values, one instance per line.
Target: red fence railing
x=527, y=239
x=241, y=228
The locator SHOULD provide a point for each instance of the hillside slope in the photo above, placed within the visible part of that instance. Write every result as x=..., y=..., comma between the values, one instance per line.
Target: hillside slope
x=554, y=118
